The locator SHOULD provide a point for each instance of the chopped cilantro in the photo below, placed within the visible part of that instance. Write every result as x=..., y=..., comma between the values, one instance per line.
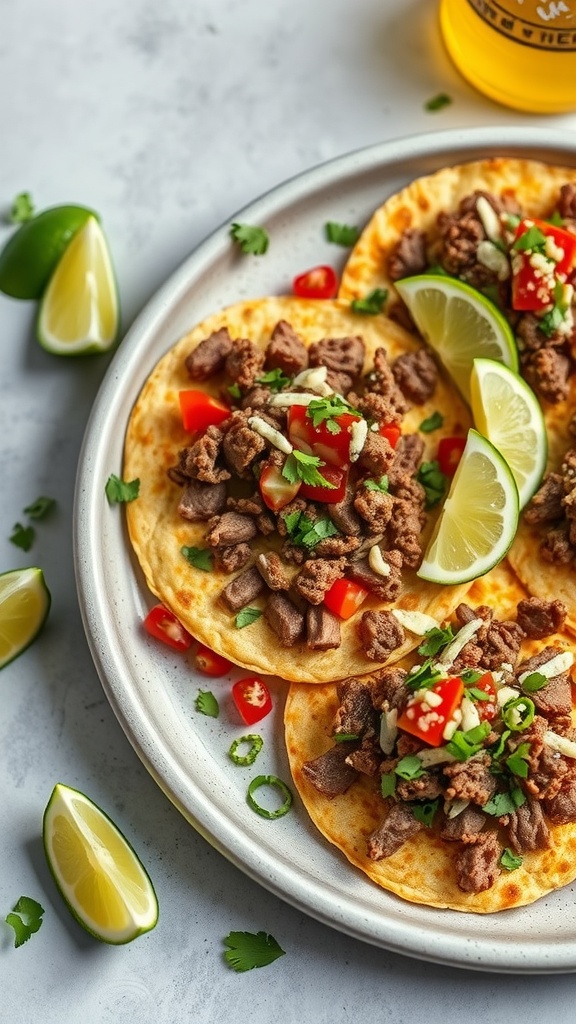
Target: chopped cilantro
x=425, y=810
x=509, y=860
x=234, y=390
x=251, y=239
x=554, y=318
x=438, y=102
x=465, y=744
x=556, y=219
x=371, y=304
x=25, y=919
x=475, y=694
x=23, y=536
x=471, y=676
x=200, y=558
x=246, y=617
x=409, y=767
x=22, y=208
x=535, y=681
x=255, y=746
x=341, y=234
x=435, y=639
x=40, y=508
x=207, y=704
x=498, y=749
x=344, y=737
x=325, y=410
x=300, y=466
x=505, y=803
x=274, y=379
x=517, y=762
x=304, y=532
x=247, y=950
x=432, y=422
x=388, y=784
x=377, y=485
x=423, y=677
x=532, y=239
x=118, y=490
x=433, y=481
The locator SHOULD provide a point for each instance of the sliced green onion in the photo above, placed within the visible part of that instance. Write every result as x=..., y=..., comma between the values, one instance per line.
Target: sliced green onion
x=518, y=713
x=256, y=743
x=269, y=780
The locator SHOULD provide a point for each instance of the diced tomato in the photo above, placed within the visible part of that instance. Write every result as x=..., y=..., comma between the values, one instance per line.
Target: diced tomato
x=162, y=624
x=391, y=431
x=252, y=698
x=210, y=663
x=449, y=454
x=276, y=491
x=200, y=411
x=345, y=597
x=427, y=718
x=317, y=283
x=329, y=495
x=532, y=288
x=486, y=708
x=331, y=446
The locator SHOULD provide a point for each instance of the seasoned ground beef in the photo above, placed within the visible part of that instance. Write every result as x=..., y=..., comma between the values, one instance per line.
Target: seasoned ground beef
x=380, y=634
x=478, y=864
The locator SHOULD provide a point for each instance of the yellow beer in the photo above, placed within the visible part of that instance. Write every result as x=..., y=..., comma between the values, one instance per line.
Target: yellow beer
x=519, y=52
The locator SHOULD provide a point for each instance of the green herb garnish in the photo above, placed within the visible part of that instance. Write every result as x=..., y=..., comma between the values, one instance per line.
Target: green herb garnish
x=247, y=950
x=200, y=558
x=438, y=102
x=246, y=617
x=118, y=490
x=300, y=466
x=532, y=239
x=463, y=745
x=435, y=639
x=22, y=208
x=234, y=390
x=371, y=304
x=431, y=423
x=535, y=681
x=377, y=485
x=470, y=676
x=509, y=860
x=517, y=762
x=251, y=239
x=255, y=746
x=388, y=784
x=505, y=803
x=342, y=234
x=433, y=481
x=304, y=532
x=425, y=811
x=23, y=536
x=274, y=379
x=345, y=737
x=25, y=918
x=325, y=410
x=423, y=677
x=207, y=704
x=409, y=767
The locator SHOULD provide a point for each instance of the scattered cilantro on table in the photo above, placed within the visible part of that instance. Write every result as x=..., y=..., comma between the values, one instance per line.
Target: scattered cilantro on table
x=23, y=536
x=40, y=507
x=438, y=102
x=25, y=918
x=247, y=950
x=251, y=239
x=22, y=208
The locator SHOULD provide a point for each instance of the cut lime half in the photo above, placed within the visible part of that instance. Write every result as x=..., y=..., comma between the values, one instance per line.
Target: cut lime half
x=31, y=254
x=79, y=310
x=479, y=518
x=24, y=606
x=508, y=413
x=459, y=323
x=96, y=870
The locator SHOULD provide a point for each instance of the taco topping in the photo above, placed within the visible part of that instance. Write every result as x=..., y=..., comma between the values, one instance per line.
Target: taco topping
x=474, y=743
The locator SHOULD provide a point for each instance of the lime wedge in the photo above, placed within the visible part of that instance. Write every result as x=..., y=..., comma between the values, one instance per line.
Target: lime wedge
x=479, y=518
x=508, y=413
x=24, y=606
x=31, y=254
x=79, y=309
x=459, y=323
x=96, y=870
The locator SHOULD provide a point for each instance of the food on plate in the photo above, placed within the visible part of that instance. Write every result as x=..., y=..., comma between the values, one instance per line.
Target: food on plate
x=323, y=474
x=449, y=779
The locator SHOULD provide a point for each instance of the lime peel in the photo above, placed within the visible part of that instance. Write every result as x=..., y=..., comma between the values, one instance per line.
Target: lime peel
x=32, y=253
x=24, y=606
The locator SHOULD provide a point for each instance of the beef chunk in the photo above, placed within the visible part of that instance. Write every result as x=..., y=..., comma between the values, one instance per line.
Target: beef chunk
x=230, y=528
x=343, y=515
x=242, y=590
x=416, y=375
x=380, y=384
x=567, y=202
x=390, y=691
x=526, y=828
x=465, y=826
x=408, y=256
x=271, y=568
x=556, y=697
x=540, y=619
x=426, y=787
x=477, y=864
x=284, y=618
x=546, y=505
x=334, y=547
x=367, y=758
x=407, y=458
x=322, y=628
x=317, y=576
x=562, y=808
x=386, y=588
x=241, y=445
x=210, y=355
x=501, y=644
x=232, y=557
x=377, y=454
x=202, y=460
x=329, y=773
x=470, y=780
x=547, y=372
x=202, y=501
x=356, y=713
x=341, y=355
x=403, y=532
x=547, y=771
x=380, y=634
x=461, y=232
x=398, y=826
x=556, y=546
x=375, y=507
x=244, y=363
x=286, y=351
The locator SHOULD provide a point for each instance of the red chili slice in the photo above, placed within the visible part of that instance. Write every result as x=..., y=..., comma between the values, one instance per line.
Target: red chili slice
x=252, y=698
x=200, y=411
x=345, y=597
x=162, y=624
x=317, y=283
x=210, y=663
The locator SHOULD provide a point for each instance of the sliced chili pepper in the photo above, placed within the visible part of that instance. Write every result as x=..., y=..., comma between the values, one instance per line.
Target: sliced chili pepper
x=200, y=411
x=252, y=699
x=210, y=663
x=276, y=491
x=345, y=597
x=449, y=454
x=255, y=746
x=428, y=711
x=329, y=495
x=275, y=782
x=391, y=431
x=317, y=283
x=163, y=625
x=331, y=443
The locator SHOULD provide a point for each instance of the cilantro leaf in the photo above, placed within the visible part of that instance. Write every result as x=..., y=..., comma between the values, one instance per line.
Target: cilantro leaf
x=118, y=490
x=300, y=466
x=533, y=239
x=424, y=676
x=200, y=558
x=40, y=508
x=325, y=410
x=304, y=532
x=471, y=676
x=345, y=737
x=535, y=681
x=433, y=481
x=465, y=744
x=517, y=762
x=438, y=102
x=371, y=304
x=22, y=208
x=341, y=234
x=234, y=390
x=388, y=784
x=207, y=704
x=504, y=803
x=409, y=767
x=25, y=919
x=23, y=536
x=432, y=422
x=247, y=950
x=509, y=860
x=435, y=639
x=251, y=239
x=377, y=485
x=246, y=616
x=425, y=811
x=274, y=379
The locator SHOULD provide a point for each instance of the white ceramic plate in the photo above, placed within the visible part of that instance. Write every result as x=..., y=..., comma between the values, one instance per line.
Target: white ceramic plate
x=153, y=691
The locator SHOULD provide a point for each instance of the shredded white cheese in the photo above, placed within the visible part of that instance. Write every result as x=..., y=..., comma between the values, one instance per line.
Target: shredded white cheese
x=464, y=634
x=388, y=730
x=556, y=666
x=416, y=622
x=470, y=716
x=315, y=379
x=284, y=399
x=560, y=743
x=377, y=562
x=489, y=255
x=269, y=433
x=358, y=434
x=490, y=219
x=504, y=694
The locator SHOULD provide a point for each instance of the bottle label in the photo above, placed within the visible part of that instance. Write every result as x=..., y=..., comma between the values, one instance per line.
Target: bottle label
x=544, y=25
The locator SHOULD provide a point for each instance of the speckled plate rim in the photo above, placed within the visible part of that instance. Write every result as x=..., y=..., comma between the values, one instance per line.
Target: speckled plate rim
x=150, y=690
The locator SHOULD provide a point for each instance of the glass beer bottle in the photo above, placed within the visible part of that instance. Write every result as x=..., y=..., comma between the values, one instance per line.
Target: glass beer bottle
x=519, y=52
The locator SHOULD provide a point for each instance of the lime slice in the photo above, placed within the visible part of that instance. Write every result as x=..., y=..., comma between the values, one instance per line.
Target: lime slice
x=79, y=309
x=479, y=518
x=459, y=323
x=24, y=606
x=31, y=254
x=508, y=413
x=96, y=870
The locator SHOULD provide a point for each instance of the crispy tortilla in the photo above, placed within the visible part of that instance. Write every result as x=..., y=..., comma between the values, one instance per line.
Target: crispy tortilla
x=533, y=184
x=422, y=870
x=155, y=436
